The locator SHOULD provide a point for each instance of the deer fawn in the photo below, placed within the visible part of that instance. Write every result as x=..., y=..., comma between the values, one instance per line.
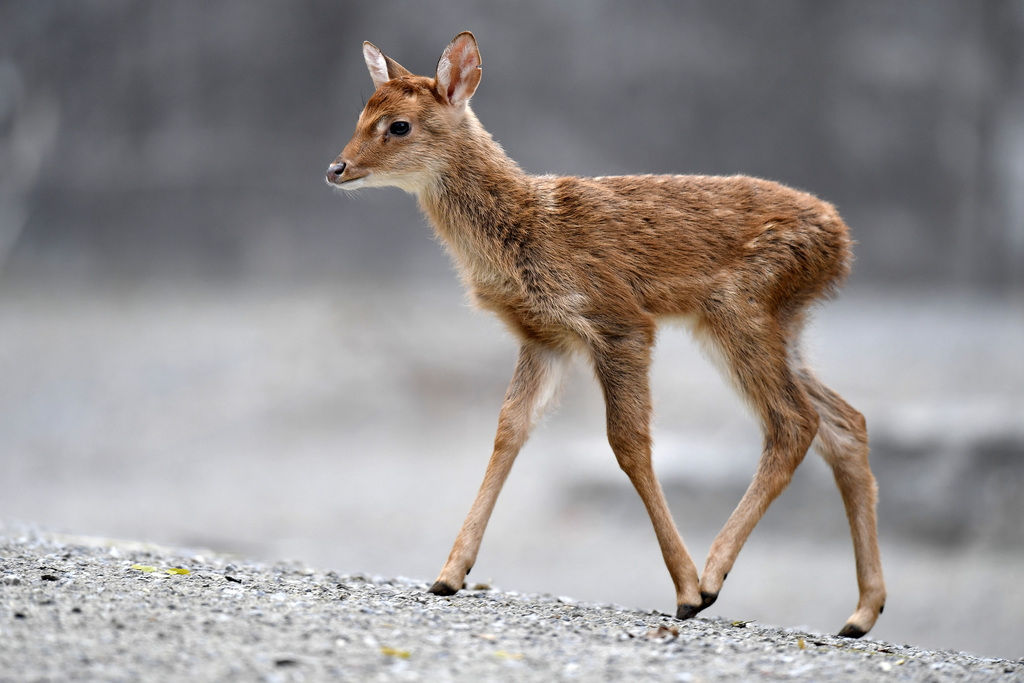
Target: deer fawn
x=591, y=265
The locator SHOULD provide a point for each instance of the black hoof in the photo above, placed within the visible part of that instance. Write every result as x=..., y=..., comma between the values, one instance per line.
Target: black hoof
x=707, y=599
x=442, y=588
x=684, y=612
x=851, y=631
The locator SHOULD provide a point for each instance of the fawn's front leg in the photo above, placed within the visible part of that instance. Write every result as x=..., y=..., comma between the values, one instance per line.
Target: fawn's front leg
x=622, y=366
x=536, y=379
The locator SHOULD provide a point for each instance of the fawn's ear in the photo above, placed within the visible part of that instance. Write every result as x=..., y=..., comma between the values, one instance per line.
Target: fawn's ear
x=458, y=70
x=382, y=68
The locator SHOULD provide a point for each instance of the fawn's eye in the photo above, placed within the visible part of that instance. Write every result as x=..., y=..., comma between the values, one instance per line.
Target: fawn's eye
x=400, y=128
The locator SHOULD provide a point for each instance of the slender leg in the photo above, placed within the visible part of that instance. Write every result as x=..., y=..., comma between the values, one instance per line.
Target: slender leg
x=535, y=381
x=758, y=360
x=843, y=442
x=622, y=369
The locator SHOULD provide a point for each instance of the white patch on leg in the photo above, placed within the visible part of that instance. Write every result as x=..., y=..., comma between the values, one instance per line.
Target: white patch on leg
x=556, y=367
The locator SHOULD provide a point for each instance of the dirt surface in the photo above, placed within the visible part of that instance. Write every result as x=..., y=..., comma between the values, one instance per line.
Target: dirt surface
x=92, y=609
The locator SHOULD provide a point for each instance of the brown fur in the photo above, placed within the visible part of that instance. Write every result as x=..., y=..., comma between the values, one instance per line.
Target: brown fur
x=591, y=265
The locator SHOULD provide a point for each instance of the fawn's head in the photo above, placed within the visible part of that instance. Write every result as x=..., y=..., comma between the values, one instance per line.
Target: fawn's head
x=407, y=126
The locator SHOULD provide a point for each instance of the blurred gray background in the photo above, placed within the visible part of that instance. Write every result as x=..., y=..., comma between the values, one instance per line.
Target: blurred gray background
x=201, y=344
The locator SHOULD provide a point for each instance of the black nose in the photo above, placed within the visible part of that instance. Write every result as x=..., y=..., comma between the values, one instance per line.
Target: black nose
x=334, y=171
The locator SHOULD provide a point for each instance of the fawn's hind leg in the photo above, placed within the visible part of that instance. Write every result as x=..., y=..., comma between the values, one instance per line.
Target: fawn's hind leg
x=843, y=442
x=756, y=356
x=536, y=379
x=622, y=366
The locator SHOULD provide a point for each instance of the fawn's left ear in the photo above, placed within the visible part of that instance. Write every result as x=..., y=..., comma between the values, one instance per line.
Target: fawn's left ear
x=458, y=70
x=382, y=68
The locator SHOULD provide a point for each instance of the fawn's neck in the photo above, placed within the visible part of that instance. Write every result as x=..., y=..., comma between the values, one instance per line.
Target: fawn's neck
x=480, y=201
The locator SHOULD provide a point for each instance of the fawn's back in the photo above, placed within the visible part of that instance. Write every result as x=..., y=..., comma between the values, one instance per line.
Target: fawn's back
x=679, y=245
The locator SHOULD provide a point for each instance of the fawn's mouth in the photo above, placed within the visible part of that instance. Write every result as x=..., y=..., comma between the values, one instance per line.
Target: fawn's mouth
x=353, y=183
x=347, y=183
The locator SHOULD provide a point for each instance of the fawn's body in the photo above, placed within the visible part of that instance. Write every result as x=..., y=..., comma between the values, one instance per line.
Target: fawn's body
x=591, y=265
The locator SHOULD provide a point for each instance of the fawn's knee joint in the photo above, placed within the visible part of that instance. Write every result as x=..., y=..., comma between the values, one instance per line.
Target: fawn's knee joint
x=858, y=422
x=629, y=447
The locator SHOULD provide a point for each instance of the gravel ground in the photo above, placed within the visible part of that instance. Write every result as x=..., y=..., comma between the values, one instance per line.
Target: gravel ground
x=94, y=609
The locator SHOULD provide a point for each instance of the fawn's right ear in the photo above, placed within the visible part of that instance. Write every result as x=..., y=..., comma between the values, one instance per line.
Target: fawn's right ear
x=458, y=70
x=382, y=68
